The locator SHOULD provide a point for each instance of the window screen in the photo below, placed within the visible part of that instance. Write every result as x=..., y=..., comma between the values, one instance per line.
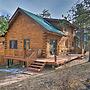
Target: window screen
x=13, y=44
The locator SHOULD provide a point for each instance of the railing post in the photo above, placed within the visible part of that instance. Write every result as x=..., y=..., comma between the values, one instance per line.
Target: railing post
x=55, y=55
x=24, y=53
x=13, y=52
x=4, y=52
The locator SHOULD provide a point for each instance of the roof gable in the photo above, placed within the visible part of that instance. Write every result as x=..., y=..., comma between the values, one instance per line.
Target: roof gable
x=60, y=23
x=48, y=26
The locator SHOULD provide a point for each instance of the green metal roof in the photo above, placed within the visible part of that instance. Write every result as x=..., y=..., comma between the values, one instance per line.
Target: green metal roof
x=43, y=22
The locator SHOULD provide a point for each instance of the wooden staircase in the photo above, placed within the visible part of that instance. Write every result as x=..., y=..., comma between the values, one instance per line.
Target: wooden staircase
x=29, y=56
x=36, y=66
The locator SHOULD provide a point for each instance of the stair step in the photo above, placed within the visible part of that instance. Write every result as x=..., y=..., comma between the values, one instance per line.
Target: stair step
x=38, y=64
x=34, y=69
x=35, y=66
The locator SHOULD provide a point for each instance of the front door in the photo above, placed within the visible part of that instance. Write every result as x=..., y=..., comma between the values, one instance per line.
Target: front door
x=53, y=47
x=26, y=44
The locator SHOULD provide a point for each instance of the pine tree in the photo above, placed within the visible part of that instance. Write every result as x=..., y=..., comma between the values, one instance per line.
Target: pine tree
x=45, y=14
x=3, y=25
x=80, y=16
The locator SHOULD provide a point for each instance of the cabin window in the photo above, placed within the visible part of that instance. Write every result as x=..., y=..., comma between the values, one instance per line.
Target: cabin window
x=13, y=44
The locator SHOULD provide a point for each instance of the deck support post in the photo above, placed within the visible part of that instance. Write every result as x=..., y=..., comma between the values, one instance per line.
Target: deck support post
x=89, y=56
x=27, y=64
x=55, y=57
x=53, y=66
x=6, y=63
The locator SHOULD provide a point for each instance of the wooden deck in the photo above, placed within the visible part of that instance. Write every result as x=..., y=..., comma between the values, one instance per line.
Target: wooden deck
x=15, y=58
x=61, y=59
x=37, y=64
x=21, y=55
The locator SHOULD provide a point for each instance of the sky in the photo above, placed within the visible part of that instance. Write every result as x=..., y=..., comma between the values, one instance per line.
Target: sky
x=55, y=7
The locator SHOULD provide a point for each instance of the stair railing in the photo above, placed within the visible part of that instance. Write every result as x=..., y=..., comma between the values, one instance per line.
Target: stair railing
x=31, y=56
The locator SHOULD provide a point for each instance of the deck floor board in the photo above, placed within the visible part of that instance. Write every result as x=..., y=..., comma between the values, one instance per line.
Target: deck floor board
x=60, y=59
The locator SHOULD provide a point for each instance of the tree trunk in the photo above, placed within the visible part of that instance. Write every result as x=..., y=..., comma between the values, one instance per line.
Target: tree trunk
x=89, y=51
x=89, y=56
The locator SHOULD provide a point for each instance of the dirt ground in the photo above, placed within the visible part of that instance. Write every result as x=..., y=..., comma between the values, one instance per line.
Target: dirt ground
x=71, y=76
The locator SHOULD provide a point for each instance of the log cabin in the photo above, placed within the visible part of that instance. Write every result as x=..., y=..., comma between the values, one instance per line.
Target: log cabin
x=30, y=37
x=66, y=43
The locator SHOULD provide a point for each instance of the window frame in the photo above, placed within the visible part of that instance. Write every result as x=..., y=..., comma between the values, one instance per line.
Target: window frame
x=13, y=44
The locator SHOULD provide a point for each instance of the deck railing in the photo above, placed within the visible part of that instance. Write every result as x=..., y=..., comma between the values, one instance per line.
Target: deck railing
x=14, y=52
x=32, y=56
x=21, y=53
x=1, y=52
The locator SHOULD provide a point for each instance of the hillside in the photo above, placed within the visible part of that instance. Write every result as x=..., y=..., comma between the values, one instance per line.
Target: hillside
x=76, y=77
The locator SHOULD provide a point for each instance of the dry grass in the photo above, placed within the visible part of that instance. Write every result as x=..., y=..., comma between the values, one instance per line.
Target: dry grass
x=70, y=78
